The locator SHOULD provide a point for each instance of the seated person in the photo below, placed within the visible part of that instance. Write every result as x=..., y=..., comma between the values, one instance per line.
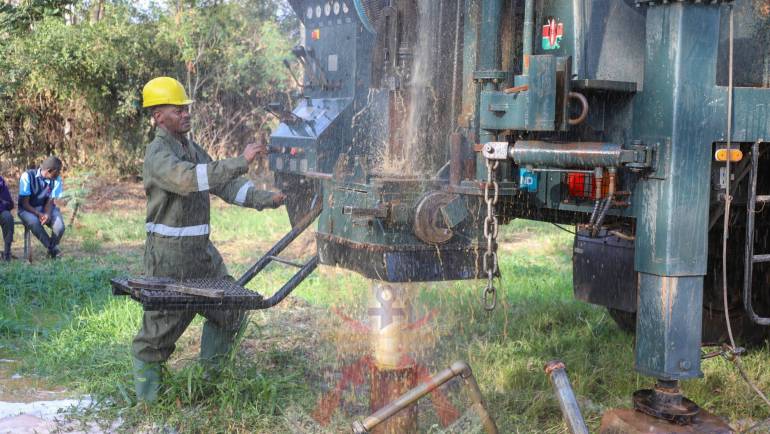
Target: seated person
x=37, y=190
x=6, y=219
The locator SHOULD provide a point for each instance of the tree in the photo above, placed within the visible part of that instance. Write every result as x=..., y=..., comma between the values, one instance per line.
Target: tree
x=73, y=86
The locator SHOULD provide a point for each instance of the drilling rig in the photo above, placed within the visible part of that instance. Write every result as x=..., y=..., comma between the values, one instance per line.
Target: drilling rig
x=424, y=125
x=420, y=127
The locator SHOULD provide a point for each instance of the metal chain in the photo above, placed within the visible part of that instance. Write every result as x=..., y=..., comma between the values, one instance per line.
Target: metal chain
x=490, y=233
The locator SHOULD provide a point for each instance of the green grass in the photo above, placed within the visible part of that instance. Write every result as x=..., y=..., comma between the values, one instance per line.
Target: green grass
x=62, y=321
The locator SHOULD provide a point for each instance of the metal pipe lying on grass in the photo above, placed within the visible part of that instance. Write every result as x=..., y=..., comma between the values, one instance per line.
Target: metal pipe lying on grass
x=460, y=369
x=557, y=373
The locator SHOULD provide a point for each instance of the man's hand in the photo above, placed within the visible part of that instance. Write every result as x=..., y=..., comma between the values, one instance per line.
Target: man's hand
x=43, y=218
x=278, y=199
x=253, y=150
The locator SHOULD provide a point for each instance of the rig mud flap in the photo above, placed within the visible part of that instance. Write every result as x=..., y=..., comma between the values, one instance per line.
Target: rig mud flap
x=603, y=271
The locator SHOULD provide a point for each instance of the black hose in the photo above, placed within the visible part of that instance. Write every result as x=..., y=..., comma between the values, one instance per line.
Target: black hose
x=600, y=219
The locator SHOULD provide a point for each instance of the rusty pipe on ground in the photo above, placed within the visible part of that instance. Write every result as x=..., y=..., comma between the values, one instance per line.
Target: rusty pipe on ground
x=570, y=155
x=557, y=374
x=458, y=369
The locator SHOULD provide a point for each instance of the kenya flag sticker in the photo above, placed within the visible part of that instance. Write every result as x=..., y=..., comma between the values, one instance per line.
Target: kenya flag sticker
x=553, y=32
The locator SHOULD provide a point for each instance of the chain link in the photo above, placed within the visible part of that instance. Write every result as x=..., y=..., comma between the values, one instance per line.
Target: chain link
x=491, y=226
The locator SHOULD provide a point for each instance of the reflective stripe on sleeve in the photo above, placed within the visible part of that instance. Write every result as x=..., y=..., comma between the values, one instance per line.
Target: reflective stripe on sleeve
x=201, y=170
x=184, y=231
x=240, y=198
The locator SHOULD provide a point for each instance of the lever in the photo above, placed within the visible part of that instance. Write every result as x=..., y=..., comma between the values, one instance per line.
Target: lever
x=291, y=72
x=305, y=56
x=285, y=116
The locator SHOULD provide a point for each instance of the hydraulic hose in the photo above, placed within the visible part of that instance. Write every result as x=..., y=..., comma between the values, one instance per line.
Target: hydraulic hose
x=607, y=202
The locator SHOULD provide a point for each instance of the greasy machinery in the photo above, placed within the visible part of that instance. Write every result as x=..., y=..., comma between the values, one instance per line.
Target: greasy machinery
x=421, y=126
x=424, y=125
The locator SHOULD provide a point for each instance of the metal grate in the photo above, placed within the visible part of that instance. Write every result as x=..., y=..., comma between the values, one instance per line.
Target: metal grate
x=235, y=296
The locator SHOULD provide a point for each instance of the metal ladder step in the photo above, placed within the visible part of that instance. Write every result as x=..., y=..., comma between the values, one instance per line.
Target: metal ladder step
x=749, y=257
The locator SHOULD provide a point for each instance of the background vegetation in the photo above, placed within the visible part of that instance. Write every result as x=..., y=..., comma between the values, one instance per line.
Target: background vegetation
x=71, y=74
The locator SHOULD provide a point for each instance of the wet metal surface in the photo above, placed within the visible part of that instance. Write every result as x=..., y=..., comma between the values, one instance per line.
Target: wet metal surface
x=634, y=422
x=401, y=263
x=668, y=327
x=578, y=155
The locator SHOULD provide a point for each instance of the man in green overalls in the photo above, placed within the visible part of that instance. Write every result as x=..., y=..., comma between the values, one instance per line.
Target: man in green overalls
x=178, y=178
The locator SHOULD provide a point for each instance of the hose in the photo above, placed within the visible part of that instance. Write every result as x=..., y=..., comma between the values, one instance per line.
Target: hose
x=607, y=202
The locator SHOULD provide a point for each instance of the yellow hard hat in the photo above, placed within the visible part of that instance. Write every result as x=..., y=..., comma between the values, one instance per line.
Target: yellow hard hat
x=162, y=91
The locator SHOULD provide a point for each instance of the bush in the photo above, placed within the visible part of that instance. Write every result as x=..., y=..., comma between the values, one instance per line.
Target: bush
x=71, y=81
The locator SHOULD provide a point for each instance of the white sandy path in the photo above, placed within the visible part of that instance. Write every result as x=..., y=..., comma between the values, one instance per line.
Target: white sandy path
x=42, y=417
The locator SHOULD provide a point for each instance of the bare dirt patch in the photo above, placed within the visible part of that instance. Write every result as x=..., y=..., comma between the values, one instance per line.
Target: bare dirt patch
x=116, y=196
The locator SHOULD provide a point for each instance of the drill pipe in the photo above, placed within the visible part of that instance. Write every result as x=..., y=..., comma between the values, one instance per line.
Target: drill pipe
x=569, y=407
x=457, y=369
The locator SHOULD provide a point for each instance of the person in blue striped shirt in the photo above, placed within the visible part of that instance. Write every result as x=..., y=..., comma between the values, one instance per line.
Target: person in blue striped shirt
x=38, y=190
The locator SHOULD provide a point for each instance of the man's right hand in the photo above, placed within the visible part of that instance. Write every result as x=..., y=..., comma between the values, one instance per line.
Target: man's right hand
x=278, y=199
x=253, y=150
x=43, y=218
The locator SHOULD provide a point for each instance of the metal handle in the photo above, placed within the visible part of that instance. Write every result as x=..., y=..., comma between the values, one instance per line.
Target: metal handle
x=584, y=103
